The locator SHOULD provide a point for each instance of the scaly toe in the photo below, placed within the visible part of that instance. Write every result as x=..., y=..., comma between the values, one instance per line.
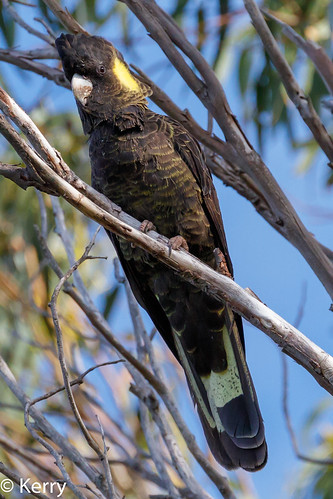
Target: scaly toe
x=221, y=263
x=177, y=242
x=146, y=226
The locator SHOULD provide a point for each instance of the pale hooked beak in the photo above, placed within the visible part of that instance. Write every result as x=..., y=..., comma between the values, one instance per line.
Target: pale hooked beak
x=81, y=87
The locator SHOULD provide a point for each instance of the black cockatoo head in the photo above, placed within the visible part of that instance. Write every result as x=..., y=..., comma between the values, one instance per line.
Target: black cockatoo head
x=100, y=78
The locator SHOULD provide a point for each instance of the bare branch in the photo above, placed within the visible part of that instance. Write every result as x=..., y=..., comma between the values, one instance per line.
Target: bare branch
x=63, y=233
x=64, y=17
x=294, y=91
x=18, y=19
x=47, y=27
x=314, y=51
x=18, y=59
x=300, y=455
x=105, y=462
x=77, y=381
x=28, y=127
x=19, y=175
x=30, y=55
x=47, y=429
x=110, y=494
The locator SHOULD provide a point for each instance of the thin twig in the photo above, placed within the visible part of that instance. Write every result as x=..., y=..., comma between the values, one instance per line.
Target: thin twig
x=285, y=405
x=47, y=430
x=77, y=381
x=105, y=462
x=64, y=17
x=53, y=305
x=48, y=28
x=18, y=19
x=63, y=233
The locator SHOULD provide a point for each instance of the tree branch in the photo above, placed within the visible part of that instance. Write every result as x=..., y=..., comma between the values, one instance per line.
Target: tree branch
x=294, y=91
x=18, y=19
x=26, y=62
x=315, y=52
x=110, y=492
x=46, y=428
x=65, y=17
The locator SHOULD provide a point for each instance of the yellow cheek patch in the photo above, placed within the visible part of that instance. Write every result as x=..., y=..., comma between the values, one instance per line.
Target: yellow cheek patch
x=124, y=76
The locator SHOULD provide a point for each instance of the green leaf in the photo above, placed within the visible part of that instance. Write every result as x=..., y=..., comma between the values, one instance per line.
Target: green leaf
x=7, y=26
x=178, y=12
x=110, y=301
x=330, y=180
x=244, y=66
x=91, y=10
x=201, y=28
x=223, y=11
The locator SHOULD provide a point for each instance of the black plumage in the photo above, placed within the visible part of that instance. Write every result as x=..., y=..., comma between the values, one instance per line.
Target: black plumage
x=155, y=170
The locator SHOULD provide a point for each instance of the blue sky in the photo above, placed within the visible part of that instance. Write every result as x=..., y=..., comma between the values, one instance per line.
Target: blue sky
x=263, y=260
